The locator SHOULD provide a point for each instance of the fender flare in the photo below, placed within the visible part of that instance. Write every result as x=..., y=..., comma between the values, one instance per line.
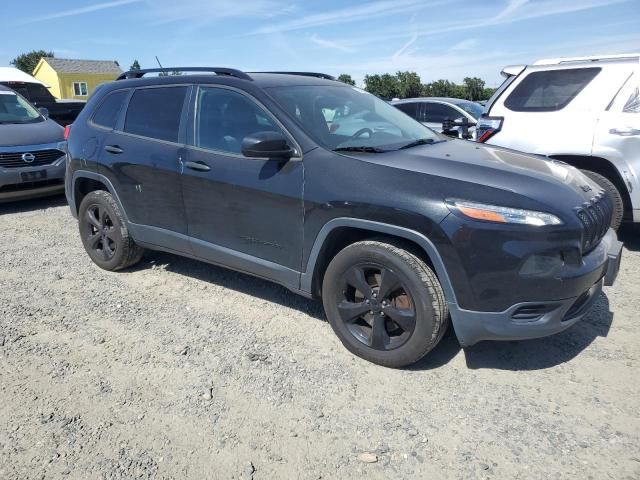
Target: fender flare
x=421, y=240
x=100, y=178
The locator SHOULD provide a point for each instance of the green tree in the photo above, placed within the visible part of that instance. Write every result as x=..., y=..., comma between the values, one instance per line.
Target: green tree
x=488, y=92
x=409, y=84
x=442, y=88
x=346, y=78
x=474, y=88
x=135, y=65
x=27, y=61
x=384, y=86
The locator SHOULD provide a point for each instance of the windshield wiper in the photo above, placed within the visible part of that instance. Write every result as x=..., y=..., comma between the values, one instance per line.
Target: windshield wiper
x=420, y=141
x=360, y=149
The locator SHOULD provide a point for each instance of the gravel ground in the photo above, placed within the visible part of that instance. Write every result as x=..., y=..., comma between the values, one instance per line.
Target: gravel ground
x=177, y=369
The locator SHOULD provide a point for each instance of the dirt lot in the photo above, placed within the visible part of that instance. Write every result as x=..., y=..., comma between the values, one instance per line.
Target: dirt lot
x=177, y=369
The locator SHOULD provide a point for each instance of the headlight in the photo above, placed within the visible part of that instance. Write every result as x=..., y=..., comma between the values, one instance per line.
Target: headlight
x=498, y=214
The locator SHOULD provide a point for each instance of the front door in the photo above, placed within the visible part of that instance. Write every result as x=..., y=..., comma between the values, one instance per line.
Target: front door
x=242, y=212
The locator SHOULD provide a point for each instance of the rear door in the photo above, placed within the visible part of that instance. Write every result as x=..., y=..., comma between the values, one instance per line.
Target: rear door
x=141, y=157
x=617, y=136
x=242, y=212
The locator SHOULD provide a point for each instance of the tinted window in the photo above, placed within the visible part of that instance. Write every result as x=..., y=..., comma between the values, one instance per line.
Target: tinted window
x=155, y=112
x=34, y=92
x=549, y=91
x=438, y=113
x=359, y=119
x=225, y=117
x=109, y=110
x=408, y=108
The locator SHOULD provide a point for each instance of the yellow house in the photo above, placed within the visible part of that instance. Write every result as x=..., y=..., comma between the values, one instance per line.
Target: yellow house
x=75, y=79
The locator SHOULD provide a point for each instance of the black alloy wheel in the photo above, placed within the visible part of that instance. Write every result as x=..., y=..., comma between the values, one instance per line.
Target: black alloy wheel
x=376, y=307
x=101, y=235
x=104, y=232
x=384, y=302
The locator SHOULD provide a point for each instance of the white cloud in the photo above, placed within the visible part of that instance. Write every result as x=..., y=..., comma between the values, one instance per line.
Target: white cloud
x=512, y=6
x=344, y=15
x=515, y=11
x=82, y=10
x=404, y=50
x=467, y=44
x=207, y=11
x=329, y=44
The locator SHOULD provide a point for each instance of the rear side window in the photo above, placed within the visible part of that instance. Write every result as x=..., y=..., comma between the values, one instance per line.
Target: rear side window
x=438, y=113
x=109, y=110
x=549, y=91
x=155, y=112
x=410, y=109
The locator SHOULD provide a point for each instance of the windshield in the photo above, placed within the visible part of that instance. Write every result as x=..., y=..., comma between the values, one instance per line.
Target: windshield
x=472, y=108
x=15, y=109
x=347, y=118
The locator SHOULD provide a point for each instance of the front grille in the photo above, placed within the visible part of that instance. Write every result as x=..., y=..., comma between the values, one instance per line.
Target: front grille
x=42, y=157
x=595, y=217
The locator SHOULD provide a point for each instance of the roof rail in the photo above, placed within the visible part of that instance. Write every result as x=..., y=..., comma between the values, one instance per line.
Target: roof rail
x=232, y=72
x=593, y=58
x=305, y=74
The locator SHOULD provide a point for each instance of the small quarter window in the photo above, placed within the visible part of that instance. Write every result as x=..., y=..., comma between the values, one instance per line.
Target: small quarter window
x=109, y=110
x=549, y=91
x=156, y=112
x=633, y=102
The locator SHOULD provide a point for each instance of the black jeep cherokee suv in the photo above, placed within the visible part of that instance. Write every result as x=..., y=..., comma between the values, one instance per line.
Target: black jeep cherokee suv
x=333, y=193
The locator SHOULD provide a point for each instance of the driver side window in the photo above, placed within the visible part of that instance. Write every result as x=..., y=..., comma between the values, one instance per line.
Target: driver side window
x=225, y=117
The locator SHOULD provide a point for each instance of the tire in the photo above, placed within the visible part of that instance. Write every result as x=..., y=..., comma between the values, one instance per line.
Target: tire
x=407, y=286
x=614, y=195
x=104, y=232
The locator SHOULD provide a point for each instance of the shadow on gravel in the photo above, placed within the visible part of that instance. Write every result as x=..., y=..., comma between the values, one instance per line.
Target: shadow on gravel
x=544, y=352
x=629, y=234
x=516, y=355
x=33, y=205
x=239, y=282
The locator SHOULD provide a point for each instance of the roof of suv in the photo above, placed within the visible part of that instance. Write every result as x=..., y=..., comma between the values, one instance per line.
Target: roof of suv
x=260, y=79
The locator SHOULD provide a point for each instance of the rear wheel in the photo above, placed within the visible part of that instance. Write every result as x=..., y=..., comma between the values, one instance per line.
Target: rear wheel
x=384, y=303
x=104, y=232
x=614, y=195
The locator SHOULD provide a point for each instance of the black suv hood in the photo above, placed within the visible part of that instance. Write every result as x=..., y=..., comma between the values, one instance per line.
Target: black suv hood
x=540, y=179
x=17, y=134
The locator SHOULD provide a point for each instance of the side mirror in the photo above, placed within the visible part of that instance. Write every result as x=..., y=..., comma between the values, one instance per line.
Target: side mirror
x=267, y=145
x=44, y=112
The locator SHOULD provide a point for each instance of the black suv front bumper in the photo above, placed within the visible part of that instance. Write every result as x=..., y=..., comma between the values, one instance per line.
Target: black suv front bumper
x=534, y=319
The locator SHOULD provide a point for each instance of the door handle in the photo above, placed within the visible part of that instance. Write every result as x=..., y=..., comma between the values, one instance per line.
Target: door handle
x=200, y=166
x=625, y=132
x=113, y=149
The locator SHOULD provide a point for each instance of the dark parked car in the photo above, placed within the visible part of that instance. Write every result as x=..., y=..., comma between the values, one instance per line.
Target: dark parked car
x=395, y=230
x=32, y=150
x=62, y=111
x=434, y=111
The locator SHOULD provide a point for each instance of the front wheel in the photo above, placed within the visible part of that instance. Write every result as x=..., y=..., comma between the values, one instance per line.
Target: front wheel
x=384, y=303
x=104, y=232
x=614, y=195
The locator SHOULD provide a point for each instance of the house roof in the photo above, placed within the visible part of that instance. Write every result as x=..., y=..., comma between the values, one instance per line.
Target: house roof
x=68, y=65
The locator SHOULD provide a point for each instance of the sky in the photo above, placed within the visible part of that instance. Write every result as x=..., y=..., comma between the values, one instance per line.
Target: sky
x=438, y=39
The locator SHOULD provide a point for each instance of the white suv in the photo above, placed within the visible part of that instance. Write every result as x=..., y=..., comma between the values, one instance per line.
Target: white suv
x=584, y=111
